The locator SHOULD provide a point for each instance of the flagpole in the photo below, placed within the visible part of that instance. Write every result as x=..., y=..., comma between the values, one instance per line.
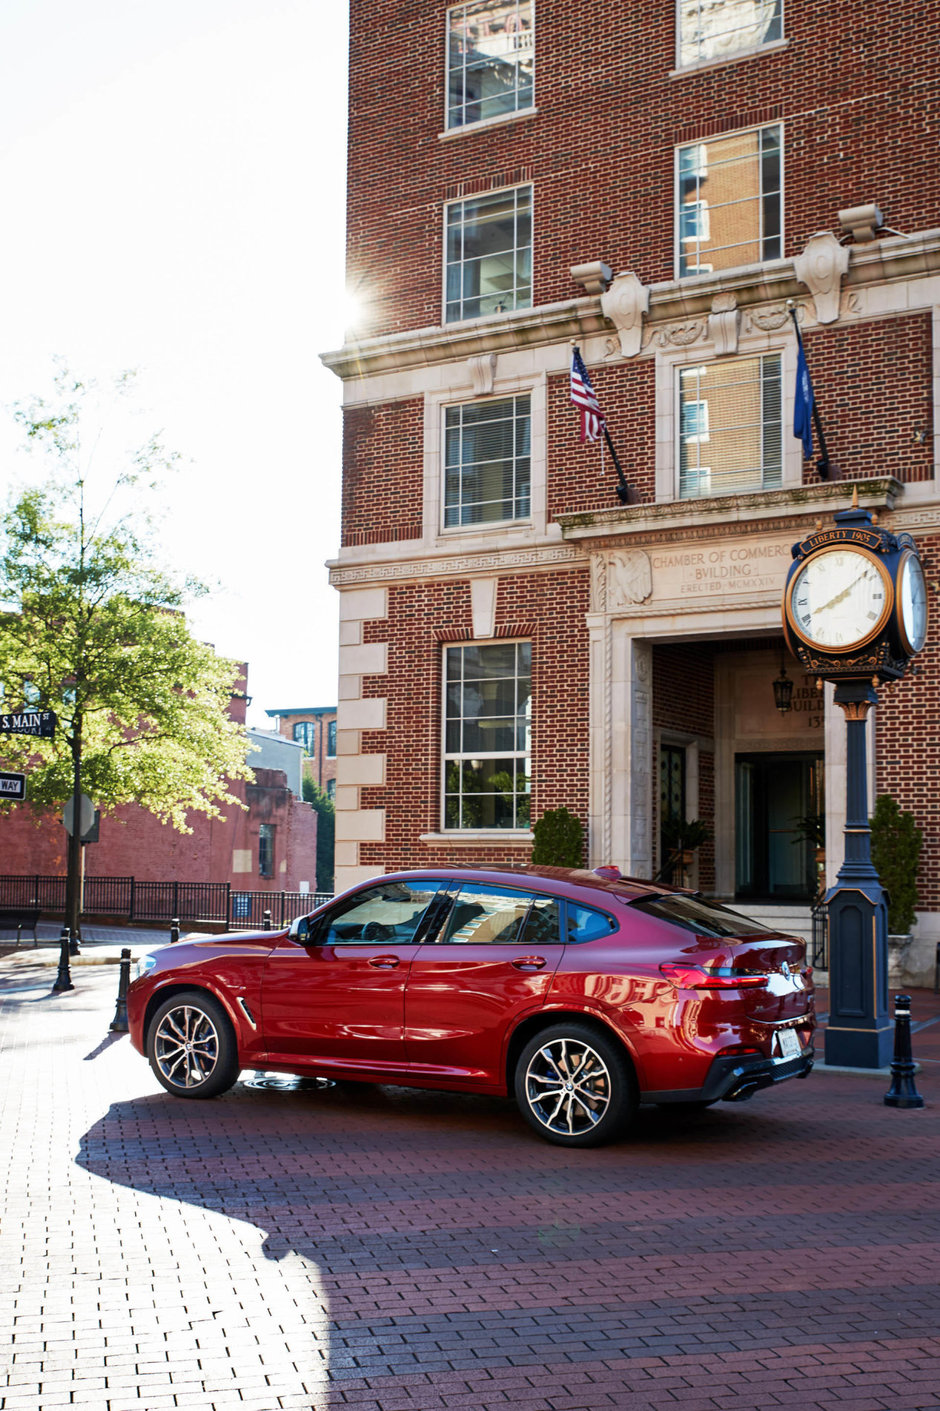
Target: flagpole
x=823, y=467
x=623, y=489
x=624, y=494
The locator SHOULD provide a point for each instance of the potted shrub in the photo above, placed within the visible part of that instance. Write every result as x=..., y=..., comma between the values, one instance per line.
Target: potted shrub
x=559, y=839
x=896, y=842
x=681, y=837
x=811, y=828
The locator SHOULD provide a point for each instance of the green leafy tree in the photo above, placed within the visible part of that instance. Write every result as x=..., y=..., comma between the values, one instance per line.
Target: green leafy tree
x=93, y=628
x=559, y=839
x=896, y=842
x=326, y=832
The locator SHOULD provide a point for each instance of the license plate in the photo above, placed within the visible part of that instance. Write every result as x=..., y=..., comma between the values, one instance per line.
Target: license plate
x=788, y=1042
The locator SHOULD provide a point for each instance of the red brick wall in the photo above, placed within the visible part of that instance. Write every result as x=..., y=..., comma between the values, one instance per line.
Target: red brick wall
x=134, y=843
x=576, y=482
x=319, y=766
x=873, y=386
x=546, y=608
x=382, y=472
x=907, y=737
x=857, y=97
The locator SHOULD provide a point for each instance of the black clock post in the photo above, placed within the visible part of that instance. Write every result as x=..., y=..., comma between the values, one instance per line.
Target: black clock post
x=859, y=1033
x=854, y=612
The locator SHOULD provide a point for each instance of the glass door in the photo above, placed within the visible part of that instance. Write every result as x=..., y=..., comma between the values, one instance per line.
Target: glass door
x=778, y=825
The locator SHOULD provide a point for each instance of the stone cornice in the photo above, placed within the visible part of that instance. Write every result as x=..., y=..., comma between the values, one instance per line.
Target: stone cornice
x=888, y=260
x=534, y=558
x=726, y=515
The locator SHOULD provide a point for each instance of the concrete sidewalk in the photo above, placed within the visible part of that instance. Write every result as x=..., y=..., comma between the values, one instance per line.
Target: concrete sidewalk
x=382, y=1249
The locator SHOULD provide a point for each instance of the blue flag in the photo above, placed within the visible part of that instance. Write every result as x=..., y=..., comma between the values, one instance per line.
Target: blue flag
x=803, y=404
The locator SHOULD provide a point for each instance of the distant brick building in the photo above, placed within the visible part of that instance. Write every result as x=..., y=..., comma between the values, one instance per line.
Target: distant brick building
x=271, y=844
x=653, y=183
x=314, y=727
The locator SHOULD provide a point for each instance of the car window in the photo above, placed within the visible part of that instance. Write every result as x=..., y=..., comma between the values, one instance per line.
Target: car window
x=586, y=924
x=543, y=923
x=702, y=918
x=390, y=912
x=483, y=915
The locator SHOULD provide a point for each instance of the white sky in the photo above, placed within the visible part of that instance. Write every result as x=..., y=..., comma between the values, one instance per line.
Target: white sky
x=172, y=187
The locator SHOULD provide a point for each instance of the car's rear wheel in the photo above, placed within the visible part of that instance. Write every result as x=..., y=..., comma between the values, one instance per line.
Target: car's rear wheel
x=191, y=1046
x=575, y=1086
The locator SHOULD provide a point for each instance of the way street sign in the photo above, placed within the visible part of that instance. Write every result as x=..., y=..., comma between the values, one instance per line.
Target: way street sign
x=29, y=722
x=12, y=786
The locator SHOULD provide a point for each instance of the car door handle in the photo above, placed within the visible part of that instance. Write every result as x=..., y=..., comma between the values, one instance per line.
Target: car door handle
x=384, y=962
x=528, y=962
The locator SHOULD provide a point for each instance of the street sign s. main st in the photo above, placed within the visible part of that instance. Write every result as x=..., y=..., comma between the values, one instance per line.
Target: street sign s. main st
x=28, y=722
x=12, y=786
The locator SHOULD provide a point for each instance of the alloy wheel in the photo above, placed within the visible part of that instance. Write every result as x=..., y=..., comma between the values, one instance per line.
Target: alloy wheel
x=568, y=1087
x=186, y=1046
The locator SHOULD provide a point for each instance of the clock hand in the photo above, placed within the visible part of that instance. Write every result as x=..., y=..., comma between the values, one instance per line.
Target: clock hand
x=839, y=597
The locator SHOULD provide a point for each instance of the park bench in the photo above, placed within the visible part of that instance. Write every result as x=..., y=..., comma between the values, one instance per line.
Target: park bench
x=18, y=917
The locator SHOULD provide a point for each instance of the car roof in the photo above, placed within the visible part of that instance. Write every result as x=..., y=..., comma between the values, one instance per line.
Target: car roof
x=548, y=879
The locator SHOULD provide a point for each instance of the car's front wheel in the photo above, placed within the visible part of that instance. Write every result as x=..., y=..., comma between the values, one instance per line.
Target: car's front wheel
x=575, y=1086
x=192, y=1047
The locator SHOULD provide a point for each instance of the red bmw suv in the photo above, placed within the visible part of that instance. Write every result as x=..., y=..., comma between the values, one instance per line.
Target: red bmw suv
x=582, y=993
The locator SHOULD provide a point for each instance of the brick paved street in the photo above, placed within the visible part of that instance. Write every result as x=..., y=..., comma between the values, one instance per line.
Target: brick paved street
x=382, y=1249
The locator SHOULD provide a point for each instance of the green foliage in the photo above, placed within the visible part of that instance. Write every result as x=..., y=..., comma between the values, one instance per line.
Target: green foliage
x=92, y=624
x=559, y=839
x=326, y=831
x=896, y=842
x=684, y=834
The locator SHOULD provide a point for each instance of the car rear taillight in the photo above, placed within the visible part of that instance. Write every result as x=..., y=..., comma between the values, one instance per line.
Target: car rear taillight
x=699, y=977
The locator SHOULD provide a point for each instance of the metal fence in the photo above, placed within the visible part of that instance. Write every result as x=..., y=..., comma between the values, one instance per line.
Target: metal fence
x=820, y=944
x=214, y=903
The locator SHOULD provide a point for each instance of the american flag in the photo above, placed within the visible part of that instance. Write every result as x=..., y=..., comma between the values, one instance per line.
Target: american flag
x=583, y=397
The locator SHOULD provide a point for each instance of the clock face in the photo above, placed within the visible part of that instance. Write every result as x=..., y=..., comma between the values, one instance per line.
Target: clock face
x=912, y=603
x=840, y=599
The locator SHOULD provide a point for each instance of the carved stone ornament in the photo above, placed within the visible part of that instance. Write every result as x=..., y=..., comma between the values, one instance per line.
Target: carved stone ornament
x=768, y=320
x=723, y=323
x=629, y=578
x=625, y=303
x=482, y=371
x=821, y=267
x=595, y=277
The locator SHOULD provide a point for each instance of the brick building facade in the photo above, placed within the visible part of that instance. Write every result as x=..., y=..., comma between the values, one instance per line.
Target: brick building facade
x=513, y=637
x=314, y=728
x=270, y=844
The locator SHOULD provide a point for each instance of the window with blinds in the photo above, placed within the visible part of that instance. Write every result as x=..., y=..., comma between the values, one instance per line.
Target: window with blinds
x=730, y=427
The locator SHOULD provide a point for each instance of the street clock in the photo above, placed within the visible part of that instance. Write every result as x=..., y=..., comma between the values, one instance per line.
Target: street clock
x=855, y=600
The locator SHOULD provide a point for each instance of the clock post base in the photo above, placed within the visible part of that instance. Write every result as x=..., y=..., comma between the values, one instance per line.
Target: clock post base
x=859, y=1048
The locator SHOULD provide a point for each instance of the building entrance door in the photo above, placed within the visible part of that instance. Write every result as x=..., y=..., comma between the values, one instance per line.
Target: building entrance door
x=778, y=812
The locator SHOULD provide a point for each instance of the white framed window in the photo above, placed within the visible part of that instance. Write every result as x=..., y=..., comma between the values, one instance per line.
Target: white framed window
x=305, y=733
x=488, y=245
x=487, y=461
x=711, y=30
x=729, y=201
x=490, y=60
x=730, y=426
x=487, y=735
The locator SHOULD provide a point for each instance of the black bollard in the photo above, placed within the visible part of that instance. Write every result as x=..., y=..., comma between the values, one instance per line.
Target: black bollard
x=174, y=930
x=74, y=946
x=63, y=980
x=266, y=922
x=902, y=1092
x=119, y=1022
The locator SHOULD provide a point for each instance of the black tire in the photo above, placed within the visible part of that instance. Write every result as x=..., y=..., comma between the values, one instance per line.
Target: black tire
x=191, y=1046
x=575, y=1086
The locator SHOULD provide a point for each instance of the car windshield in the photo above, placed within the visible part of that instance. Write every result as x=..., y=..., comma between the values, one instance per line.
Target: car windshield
x=703, y=918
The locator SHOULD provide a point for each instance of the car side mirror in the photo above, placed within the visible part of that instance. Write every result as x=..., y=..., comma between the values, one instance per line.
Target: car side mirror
x=299, y=930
